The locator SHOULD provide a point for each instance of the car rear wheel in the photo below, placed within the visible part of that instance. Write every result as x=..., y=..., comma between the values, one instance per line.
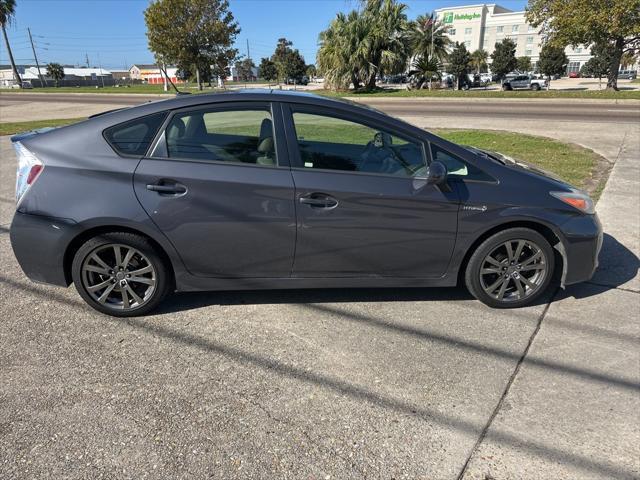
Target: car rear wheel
x=535, y=87
x=511, y=269
x=120, y=274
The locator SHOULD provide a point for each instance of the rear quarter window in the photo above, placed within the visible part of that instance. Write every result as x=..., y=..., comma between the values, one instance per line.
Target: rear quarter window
x=135, y=136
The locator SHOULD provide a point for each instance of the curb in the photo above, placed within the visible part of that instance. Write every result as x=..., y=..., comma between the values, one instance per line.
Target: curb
x=598, y=101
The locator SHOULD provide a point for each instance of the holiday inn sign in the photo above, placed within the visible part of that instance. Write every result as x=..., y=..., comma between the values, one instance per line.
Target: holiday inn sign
x=449, y=17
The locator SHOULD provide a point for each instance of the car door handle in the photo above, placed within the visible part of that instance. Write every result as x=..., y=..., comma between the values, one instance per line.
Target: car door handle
x=164, y=187
x=319, y=200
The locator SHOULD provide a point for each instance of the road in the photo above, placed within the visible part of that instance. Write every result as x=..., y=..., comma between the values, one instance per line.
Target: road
x=557, y=109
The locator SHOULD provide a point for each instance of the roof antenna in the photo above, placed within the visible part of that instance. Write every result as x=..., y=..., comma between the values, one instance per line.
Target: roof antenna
x=164, y=71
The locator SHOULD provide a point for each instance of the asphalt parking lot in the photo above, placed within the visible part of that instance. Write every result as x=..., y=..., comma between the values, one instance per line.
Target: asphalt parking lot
x=315, y=384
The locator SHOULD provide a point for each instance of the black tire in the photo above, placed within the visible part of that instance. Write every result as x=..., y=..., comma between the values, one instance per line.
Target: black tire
x=144, y=253
x=535, y=87
x=478, y=262
x=506, y=88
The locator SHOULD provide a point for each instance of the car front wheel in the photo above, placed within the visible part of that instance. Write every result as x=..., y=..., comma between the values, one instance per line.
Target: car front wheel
x=120, y=274
x=511, y=269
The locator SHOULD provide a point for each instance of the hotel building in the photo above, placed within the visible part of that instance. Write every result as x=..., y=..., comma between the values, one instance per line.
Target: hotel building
x=482, y=25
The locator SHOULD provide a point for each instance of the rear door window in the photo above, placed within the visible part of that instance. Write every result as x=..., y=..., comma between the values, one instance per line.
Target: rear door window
x=243, y=135
x=135, y=136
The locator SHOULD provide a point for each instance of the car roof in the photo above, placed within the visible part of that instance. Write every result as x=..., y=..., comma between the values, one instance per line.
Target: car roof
x=230, y=96
x=255, y=94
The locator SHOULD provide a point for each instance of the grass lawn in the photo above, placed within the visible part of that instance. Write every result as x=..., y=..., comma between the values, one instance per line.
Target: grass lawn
x=11, y=128
x=577, y=165
x=480, y=93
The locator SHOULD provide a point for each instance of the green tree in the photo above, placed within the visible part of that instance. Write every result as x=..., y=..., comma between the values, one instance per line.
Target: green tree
x=553, y=61
x=523, y=64
x=55, y=71
x=364, y=44
x=268, y=70
x=479, y=60
x=503, y=58
x=425, y=70
x=311, y=71
x=7, y=13
x=288, y=61
x=428, y=38
x=388, y=49
x=459, y=61
x=244, y=69
x=599, y=63
x=200, y=33
x=628, y=59
x=615, y=23
x=342, y=55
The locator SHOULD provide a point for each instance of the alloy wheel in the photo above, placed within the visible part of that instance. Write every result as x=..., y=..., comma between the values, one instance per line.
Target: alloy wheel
x=513, y=270
x=118, y=276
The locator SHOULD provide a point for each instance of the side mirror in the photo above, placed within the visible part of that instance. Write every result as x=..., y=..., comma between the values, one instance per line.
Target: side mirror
x=437, y=173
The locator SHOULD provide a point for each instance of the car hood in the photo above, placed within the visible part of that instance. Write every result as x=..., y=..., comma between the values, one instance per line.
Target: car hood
x=520, y=165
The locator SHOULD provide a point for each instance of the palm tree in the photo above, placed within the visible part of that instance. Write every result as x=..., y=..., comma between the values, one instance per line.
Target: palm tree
x=479, y=59
x=55, y=71
x=7, y=12
x=342, y=53
x=387, y=43
x=362, y=45
x=428, y=37
x=426, y=69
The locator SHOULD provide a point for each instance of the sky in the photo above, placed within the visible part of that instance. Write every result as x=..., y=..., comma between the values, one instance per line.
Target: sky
x=112, y=32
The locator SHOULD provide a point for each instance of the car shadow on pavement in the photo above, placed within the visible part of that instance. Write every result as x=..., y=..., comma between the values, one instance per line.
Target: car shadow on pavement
x=191, y=300
x=618, y=265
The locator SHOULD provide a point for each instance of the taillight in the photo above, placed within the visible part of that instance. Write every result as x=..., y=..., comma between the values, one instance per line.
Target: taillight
x=29, y=169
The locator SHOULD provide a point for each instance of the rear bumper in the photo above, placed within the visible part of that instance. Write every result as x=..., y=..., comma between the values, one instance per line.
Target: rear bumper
x=580, y=248
x=39, y=244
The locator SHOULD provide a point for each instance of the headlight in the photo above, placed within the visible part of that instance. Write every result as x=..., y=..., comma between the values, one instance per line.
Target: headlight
x=577, y=199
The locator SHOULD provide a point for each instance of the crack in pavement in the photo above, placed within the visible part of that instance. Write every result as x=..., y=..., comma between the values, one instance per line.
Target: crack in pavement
x=613, y=287
x=507, y=388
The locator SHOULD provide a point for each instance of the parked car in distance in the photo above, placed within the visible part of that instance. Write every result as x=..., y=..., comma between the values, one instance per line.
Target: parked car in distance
x=303, y=80
x=395, y=79
x=265, y=189
x=628, y=74
x=524, y=82
x=473, y=80
x=574, y=74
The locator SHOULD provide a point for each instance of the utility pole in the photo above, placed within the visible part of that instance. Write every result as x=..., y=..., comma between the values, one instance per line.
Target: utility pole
x=248, y=51
x=86, y=56
x=35, y=57
x=100, y=67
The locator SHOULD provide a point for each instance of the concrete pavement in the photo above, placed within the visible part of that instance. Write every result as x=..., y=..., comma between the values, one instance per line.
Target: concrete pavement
x=581, y=426
x=339, y=384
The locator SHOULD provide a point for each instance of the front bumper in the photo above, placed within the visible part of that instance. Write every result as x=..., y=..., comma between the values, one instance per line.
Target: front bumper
x=580, y=247
x=39, y=243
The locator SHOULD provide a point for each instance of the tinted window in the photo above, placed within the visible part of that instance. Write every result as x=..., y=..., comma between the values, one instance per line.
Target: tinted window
x=238, y=136
x=456, y=167
x=335, y=144
x=135, y=136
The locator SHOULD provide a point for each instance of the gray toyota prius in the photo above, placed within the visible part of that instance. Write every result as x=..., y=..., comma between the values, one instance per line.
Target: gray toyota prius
x=272, y=190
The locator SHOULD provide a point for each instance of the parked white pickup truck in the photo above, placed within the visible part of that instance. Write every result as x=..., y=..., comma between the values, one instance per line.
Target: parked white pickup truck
x=524, y=82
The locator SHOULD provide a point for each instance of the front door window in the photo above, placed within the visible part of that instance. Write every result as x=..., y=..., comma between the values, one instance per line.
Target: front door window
x=330, y=143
